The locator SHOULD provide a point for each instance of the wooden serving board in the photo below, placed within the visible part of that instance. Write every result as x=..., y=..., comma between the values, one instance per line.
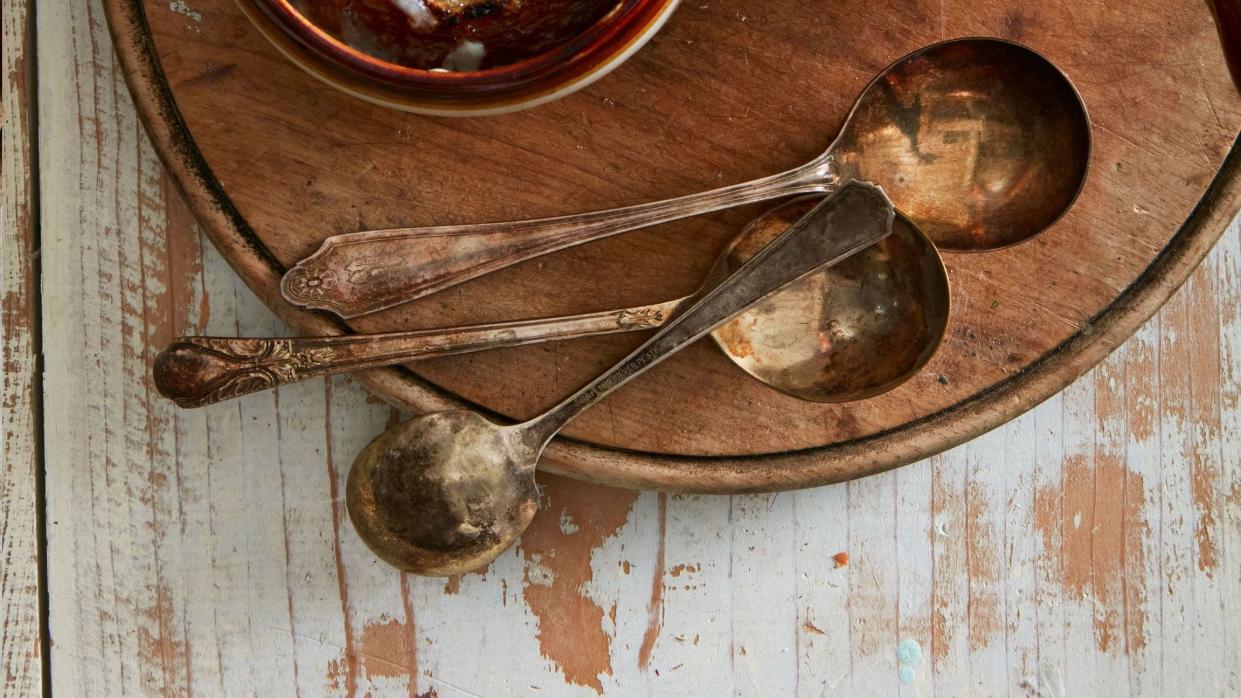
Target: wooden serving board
x=273, y=162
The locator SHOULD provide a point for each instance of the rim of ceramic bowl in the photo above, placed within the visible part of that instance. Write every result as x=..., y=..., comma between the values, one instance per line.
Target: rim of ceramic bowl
x=555, y=73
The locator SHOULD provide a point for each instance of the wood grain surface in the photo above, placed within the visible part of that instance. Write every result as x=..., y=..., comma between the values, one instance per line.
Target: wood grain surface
x=1089, y=548
x=711, y=101
x=21, y=671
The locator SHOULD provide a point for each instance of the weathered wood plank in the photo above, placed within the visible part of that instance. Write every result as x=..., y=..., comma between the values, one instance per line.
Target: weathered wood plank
x=1089, y=548
x=1143, y=463
x=1018, y=553
x=114, y=609
x=20, y=651
x=823, y=539
x=872, y=586
x=1226, y=259
x=1048, y=606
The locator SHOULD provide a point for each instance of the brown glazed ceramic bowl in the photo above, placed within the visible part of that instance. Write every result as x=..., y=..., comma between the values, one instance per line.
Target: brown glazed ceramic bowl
x=479, y=57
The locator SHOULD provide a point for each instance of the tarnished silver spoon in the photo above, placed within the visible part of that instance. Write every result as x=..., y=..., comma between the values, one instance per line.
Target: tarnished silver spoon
x=447, y=492
x=982, y=143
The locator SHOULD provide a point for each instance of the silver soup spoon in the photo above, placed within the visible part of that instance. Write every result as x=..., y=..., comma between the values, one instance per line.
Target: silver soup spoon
x=982, y=143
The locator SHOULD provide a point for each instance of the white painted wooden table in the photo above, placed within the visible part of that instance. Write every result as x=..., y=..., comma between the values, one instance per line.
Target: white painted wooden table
x=1091, y=548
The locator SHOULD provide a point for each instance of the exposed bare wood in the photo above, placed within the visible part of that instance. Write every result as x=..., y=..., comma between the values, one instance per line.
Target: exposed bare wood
x=20, y=653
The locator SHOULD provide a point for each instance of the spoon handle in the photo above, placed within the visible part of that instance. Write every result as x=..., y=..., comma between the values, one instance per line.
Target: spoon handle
x=857, y=216
x=359, y=273
x=199, y=371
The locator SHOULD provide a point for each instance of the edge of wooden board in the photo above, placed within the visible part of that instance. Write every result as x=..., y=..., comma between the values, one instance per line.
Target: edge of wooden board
x=838, y=462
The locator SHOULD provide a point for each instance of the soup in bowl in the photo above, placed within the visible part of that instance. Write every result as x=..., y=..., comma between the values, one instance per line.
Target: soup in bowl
x=459, y=57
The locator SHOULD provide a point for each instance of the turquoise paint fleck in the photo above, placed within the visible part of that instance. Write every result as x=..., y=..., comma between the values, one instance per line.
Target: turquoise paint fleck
x=906, y=675
x=909, y=652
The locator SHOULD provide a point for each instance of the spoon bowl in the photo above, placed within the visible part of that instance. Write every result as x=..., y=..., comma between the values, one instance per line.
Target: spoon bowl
x=982, y=142
x=851, y=331
x=444, y=493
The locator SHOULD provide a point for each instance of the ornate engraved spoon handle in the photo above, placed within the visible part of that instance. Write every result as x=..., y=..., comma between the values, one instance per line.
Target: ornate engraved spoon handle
x=198, y=371
x=360, y=273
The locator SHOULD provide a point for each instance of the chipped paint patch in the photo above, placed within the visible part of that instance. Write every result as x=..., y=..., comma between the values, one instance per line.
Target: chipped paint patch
x=1102, y=547
x=386, y=649
x=571, y=629
x=1202, y=488
x=1078, y=527
x=452, y=586
x=655, y=609
x=1136, y=532
x=1108, y=551
x=336, y=671
x=984, y=609
x=678, y=570
x=156, y=644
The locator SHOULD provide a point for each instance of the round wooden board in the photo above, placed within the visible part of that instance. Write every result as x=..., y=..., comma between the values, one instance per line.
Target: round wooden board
x=273, y=162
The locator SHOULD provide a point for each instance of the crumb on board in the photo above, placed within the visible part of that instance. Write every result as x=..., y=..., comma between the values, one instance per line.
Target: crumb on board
x=841, y=559
x=184, y=10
